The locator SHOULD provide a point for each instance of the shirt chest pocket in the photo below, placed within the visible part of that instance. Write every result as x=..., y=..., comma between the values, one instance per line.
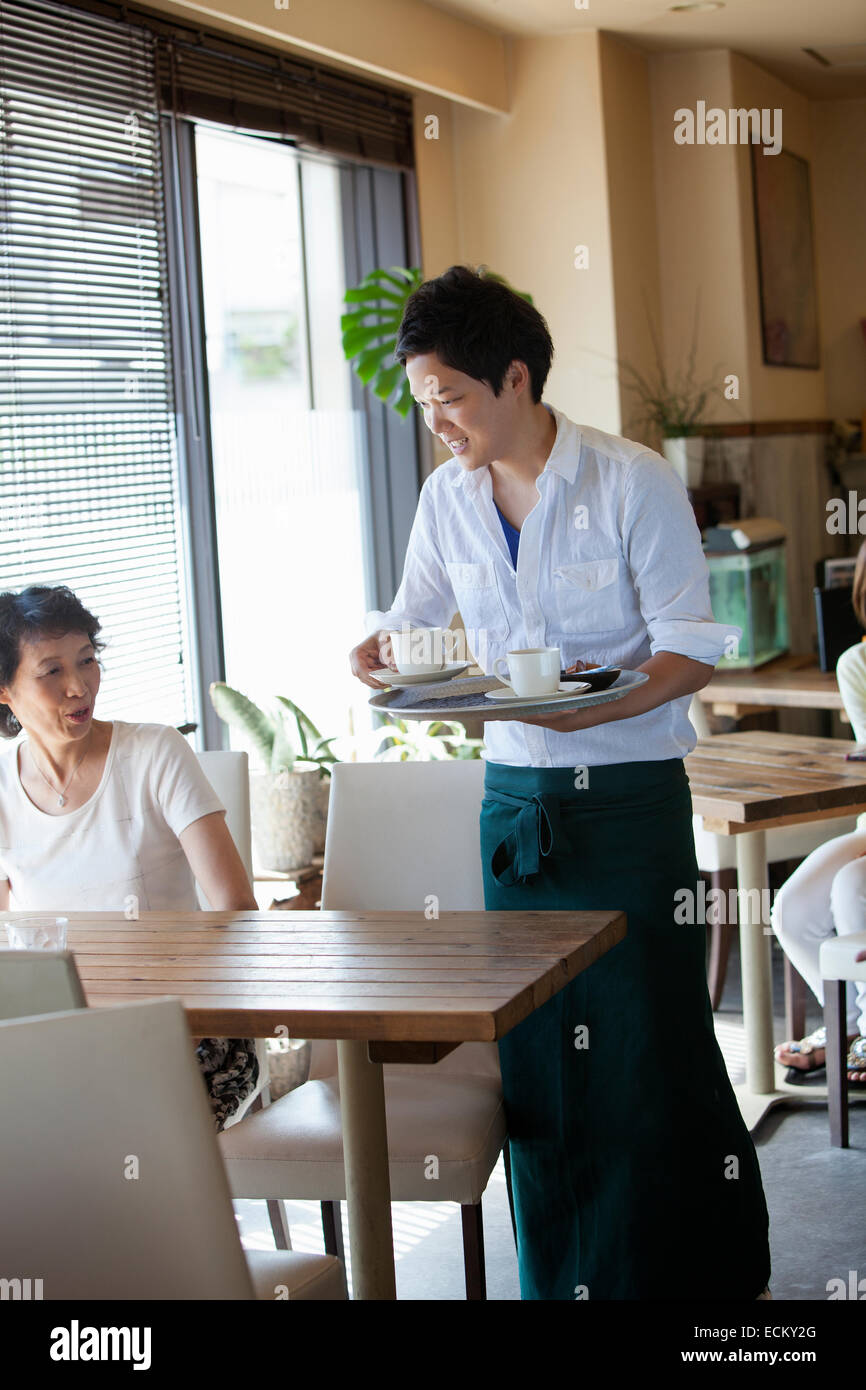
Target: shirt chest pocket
x=478, y=597
x=588, y=596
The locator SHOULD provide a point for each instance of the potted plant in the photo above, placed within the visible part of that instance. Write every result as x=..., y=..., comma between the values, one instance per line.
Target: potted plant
x=422, y=740
x=672, y=407
x=289, y=793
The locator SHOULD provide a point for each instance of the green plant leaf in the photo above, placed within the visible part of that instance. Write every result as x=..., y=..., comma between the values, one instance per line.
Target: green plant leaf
x=368, y=364
x=387, y=381
x=303, y=719
x=404, y=403
x=356, y=338
x=235, y=709
x=283, y=755
x=365, y=294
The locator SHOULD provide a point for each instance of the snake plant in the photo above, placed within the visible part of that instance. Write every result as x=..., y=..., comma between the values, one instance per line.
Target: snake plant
x=274, y=736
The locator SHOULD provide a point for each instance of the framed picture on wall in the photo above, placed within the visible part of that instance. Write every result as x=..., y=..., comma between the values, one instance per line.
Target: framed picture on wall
x=786, y=262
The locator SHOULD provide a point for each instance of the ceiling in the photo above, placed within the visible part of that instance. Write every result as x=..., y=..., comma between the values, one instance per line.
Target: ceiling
x=773, y=33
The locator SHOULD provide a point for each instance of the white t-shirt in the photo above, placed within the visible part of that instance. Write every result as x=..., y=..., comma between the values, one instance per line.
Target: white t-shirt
x=123, y=841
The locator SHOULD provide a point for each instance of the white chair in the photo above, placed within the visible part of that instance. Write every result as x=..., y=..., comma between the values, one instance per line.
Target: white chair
x=838, y=966
x=229, y=774
x=38, y=982
x=397, y=833
x=113, y=1186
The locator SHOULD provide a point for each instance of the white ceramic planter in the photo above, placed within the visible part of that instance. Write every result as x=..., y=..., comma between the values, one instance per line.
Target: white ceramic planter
x=686, y=453
x=284, y=809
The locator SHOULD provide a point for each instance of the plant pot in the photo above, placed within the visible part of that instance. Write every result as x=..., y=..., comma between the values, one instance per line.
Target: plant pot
x=686, y=453
x=284, y=810
x=323, y=795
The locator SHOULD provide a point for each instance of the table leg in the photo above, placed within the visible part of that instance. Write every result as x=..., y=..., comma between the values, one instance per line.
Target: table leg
x=755, y=963
x=368, y=1183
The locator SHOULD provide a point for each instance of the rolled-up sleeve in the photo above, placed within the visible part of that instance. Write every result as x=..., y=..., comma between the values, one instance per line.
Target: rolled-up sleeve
x=662, y=546
x=425, y=597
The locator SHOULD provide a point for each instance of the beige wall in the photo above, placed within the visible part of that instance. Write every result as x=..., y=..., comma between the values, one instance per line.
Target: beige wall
x=548, y=143
x=700, y=232
x=777, y=393
x=530, y=187
x=402, y=41
x=839, y=197
x=438, y=210
x=626, y=114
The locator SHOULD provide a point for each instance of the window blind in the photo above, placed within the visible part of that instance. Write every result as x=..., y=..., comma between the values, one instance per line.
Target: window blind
x=88, y=468
x=214, y=77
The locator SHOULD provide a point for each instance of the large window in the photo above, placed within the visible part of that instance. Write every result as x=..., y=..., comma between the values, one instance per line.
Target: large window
x=88, y=470
x=287, y=445
x=181, y=439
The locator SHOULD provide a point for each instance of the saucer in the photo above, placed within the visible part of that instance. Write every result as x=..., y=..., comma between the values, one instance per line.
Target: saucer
x=565, y=692
x=447, y=673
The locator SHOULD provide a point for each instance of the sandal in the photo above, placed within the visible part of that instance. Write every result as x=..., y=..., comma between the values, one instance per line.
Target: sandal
x=856, y=1060
x=795, y=1076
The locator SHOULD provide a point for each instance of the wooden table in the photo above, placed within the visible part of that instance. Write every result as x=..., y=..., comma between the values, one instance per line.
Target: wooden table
x=743, y=785
x=389, y=986
x=790, y=682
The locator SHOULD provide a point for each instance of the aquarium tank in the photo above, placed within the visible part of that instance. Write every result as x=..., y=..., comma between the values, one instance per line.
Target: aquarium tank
x=749, y=590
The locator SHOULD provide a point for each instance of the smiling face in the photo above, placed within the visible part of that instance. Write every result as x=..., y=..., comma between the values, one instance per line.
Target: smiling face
x=460, y=408
x=54, y=689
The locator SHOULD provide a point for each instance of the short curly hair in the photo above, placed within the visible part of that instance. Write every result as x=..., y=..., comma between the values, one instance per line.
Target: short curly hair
x=37, y=611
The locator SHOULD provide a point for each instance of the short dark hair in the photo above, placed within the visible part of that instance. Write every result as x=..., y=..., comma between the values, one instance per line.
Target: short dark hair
x=477, y=325
x=37, y=611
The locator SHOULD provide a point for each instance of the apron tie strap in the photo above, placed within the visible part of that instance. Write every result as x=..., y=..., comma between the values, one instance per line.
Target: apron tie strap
x=518, y=857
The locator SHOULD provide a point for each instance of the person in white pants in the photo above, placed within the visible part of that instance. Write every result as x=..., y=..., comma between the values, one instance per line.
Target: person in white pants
x=827, y=893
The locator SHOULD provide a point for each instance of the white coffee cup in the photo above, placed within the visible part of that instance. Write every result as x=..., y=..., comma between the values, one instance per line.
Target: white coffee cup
x=421, y=651
x=532, y=670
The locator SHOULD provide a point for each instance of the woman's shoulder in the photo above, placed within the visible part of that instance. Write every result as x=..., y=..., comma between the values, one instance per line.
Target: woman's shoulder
x=147, y=740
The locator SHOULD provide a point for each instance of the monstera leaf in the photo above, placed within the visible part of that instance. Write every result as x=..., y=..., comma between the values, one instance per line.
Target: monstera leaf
x=370, y=330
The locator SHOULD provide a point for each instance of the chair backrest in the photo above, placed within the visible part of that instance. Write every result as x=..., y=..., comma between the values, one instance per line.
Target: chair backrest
x=38, y=982
x=113, y=1184
x=398, y=832
x=229, y=775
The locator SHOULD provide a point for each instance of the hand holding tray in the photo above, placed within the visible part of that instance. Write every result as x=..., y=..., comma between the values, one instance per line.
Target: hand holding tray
x=465, y=699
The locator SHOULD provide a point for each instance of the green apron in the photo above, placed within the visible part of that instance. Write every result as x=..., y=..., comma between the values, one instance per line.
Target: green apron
x=633, y=1173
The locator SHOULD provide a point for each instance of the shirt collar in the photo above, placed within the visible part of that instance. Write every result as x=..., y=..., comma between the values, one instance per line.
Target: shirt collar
x=564, y=457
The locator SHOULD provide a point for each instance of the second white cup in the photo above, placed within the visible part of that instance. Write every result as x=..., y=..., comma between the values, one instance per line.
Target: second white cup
x=531, y=671
x=420, y=651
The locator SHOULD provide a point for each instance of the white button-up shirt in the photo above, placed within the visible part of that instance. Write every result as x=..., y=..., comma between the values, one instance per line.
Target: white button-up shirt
x=609, y=569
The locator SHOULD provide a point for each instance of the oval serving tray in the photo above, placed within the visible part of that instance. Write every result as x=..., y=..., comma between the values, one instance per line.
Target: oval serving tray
x=466, y=699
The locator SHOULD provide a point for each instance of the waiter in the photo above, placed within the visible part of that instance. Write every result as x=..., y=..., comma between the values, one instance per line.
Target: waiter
x=633, y=1173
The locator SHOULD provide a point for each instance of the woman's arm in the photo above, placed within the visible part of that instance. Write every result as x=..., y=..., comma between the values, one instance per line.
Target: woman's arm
x=218, y=868
x=4, y=895
x=670, y=677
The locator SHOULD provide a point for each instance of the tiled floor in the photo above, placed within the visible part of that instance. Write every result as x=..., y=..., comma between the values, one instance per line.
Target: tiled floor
x=816, y=1196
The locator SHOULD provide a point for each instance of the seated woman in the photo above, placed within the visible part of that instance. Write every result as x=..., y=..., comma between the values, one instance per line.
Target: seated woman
x=105, y=814
x=827, y=893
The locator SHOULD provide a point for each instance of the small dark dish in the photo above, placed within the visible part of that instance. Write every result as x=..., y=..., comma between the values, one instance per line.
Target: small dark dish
x=598, y=679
